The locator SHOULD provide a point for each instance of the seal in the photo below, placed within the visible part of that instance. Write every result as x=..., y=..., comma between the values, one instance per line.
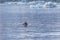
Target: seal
x=25, y=24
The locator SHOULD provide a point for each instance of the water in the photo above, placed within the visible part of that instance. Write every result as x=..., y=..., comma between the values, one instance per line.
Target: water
x=43, y=23
x=36, y=4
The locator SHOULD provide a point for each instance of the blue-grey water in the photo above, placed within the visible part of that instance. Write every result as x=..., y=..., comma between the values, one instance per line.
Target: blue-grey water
x=43, y=23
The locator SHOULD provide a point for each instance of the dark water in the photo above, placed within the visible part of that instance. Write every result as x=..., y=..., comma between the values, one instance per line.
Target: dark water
x=43, y=23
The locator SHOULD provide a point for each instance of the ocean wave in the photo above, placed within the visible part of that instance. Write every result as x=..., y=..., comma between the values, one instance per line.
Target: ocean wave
x=36, y=4
x=44, y=5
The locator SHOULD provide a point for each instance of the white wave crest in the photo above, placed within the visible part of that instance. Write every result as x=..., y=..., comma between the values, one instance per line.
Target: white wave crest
x=36, y=4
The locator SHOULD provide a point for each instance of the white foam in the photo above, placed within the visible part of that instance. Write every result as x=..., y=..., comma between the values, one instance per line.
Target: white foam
x=49, y=5
x=36, y=4
x=44, y=5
